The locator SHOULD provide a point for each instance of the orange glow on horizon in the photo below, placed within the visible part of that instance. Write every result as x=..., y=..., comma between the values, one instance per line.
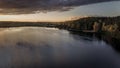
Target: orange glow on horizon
x=35, y=18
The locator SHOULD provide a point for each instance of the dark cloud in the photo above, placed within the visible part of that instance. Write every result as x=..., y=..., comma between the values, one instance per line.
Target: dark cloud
x=33, y=6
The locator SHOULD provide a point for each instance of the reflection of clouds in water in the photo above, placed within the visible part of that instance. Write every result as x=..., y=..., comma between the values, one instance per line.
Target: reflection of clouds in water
x=27, y=46
x=34, y=36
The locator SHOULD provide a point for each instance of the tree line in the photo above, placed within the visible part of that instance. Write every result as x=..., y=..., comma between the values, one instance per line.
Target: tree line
x=110, y=25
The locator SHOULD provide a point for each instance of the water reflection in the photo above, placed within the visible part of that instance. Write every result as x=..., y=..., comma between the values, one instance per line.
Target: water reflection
x=35, y=47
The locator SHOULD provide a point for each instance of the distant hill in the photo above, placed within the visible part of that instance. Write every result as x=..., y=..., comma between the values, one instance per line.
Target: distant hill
x=21, y=24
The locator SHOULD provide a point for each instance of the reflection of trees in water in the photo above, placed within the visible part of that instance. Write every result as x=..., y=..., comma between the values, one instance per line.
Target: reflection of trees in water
x=85, y=35
x=115, y=43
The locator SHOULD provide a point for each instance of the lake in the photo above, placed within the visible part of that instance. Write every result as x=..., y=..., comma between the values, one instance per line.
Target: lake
x=42, y=47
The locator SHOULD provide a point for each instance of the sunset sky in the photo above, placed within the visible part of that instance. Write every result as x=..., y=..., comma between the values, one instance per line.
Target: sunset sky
x=56, y=10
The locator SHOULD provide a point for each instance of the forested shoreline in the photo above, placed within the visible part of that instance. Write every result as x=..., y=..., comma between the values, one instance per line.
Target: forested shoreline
x=110, y=26
x=107, y=25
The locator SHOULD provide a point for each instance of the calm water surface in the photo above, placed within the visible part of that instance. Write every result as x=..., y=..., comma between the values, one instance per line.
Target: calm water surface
x=40, y=47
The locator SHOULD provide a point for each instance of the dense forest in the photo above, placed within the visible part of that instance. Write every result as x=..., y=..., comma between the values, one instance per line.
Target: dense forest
x=106, y=25
x=93, y=23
